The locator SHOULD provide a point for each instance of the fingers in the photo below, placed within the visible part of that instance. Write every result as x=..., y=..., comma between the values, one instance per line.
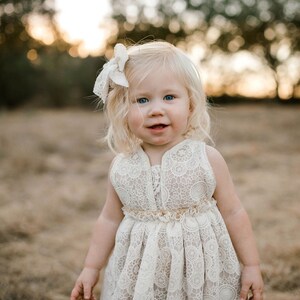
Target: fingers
x=87, y=290
x=257, y=291
x=257, y=295
x=244, y=291
x=82, y=289
x=76, y=292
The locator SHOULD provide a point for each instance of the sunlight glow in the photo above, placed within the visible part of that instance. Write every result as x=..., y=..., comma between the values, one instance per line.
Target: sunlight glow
x=244, y=60
x=85, y=23
x=39, y=29
x=32, y=54
x=254, y=79
x=258, y=85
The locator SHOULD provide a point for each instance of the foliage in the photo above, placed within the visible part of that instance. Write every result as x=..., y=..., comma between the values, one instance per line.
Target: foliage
x=267, y=28
x=35, y=73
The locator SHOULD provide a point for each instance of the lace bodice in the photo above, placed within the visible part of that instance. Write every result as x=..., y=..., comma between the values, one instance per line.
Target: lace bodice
x=186, y=178
x=155, y=172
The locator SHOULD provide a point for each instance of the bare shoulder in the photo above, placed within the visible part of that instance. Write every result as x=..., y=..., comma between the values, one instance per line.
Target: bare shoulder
x=113, y=161
x=225, y=194
x=218, y=164
x=214, y=156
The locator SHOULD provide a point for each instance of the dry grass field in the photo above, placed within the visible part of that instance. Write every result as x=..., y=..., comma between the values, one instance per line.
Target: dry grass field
x=53, y=181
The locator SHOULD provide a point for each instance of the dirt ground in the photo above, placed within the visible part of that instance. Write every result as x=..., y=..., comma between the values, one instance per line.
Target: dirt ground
x=53, y=179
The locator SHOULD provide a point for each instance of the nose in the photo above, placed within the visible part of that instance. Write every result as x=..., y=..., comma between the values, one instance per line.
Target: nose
x=156, y=108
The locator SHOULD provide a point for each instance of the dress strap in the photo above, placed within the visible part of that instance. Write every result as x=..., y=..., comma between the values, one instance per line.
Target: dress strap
x=169, y=215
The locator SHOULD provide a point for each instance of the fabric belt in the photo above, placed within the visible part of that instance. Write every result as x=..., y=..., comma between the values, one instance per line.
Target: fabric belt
x=169, y=215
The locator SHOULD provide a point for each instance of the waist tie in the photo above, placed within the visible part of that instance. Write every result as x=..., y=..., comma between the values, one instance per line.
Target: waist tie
x=169, y=215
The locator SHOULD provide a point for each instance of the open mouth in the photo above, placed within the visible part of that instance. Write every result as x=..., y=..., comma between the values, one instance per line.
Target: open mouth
x=158, y=126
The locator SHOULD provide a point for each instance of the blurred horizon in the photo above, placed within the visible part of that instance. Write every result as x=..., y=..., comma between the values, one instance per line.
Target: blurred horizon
x=244, y=48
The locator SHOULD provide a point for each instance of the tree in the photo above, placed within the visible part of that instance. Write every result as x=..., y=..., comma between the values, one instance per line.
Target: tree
x=267, y=28
x=17, y=72
x=28, y=66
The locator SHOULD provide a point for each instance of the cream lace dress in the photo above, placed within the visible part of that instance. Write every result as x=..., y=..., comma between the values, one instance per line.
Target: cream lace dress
x=172, y=243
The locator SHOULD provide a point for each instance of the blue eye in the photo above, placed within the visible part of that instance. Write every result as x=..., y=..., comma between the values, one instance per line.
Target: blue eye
x=169, y=97
x=142, y=100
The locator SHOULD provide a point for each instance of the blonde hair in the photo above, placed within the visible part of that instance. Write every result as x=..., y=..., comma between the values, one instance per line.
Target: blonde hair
x=143, y=59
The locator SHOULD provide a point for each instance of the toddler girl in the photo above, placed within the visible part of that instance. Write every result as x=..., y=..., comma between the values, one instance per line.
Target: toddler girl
x=172, y=221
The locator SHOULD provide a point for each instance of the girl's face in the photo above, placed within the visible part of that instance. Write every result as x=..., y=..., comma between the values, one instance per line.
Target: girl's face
x=159, y=110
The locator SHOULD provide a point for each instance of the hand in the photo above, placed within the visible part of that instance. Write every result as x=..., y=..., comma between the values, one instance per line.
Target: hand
x=251, y=281
x=84, y=285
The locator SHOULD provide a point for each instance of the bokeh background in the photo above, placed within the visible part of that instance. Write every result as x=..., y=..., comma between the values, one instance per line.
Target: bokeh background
x=53, y=165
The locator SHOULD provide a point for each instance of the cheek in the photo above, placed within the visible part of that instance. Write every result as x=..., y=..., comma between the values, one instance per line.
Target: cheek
x=135, y=117
x=184, y=111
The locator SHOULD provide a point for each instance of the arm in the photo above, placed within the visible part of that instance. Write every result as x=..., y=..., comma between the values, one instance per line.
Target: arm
x=102, y=242
x=238, y=225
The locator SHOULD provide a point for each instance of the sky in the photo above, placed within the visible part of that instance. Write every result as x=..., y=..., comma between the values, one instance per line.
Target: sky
x=86, y=21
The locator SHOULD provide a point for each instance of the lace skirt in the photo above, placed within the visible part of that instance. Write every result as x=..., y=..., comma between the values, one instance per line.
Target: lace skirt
x=175, y=256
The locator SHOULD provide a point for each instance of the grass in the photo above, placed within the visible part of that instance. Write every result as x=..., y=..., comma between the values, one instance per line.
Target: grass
x=53, y=182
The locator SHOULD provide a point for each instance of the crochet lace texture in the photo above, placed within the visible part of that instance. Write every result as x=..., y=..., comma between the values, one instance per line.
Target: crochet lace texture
x=172, y=243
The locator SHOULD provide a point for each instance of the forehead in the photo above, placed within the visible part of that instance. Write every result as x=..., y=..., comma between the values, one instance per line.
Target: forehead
x=155, y=73
x=156, y=79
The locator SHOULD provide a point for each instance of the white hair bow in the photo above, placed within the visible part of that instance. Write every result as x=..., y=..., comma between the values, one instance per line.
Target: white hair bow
x=112, y=70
